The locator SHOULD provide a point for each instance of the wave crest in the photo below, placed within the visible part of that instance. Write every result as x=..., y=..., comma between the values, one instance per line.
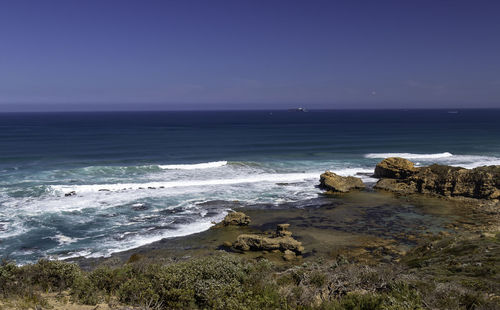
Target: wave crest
x=213, y=164
x=183, y=183
x=410, y=155
x=446, y=158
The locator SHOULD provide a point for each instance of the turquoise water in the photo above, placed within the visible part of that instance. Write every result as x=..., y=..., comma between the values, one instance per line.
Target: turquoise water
x=141, y=177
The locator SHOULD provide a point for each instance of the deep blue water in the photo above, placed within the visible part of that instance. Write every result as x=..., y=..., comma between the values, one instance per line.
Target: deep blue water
x=130, y=189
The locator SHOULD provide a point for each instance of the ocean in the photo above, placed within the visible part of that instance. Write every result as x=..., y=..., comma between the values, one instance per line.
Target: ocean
x=92, y=184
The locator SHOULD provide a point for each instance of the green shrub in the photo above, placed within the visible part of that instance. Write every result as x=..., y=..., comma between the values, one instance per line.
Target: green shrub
x=137, y=291
x=317, y=279
x=109, y=280
x=9, y=278
x=84, y=291
x=362, y=302
x=50, y=275
x=402, y=297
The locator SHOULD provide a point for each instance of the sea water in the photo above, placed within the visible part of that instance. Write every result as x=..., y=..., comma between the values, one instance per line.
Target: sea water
x=92, y=184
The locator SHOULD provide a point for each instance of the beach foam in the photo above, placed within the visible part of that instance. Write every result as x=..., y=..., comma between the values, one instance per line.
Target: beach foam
x=410, y=155
x=213, y=164
x=61, y=189
x=137, y=239
x=446, y=158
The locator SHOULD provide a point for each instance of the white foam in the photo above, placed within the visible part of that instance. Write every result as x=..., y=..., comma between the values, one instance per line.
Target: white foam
x=63, y=240
x=104, y=188
x=213, y=164
x=410, y=155
x=83, y=253
x=138, y=239
x=12, y=230
x=446, y=158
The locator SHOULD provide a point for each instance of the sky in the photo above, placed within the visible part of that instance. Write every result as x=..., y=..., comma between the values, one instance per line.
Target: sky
x=236, y=54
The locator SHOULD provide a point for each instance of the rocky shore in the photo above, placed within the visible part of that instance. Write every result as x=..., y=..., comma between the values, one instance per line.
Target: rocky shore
x=422, y=238
x=401, y=176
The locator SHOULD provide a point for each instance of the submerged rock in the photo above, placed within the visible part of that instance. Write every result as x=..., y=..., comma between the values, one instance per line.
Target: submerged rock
x=234, y=219
x=480, y=183
x=281, y=241
x=337, y=183
x=395, y=168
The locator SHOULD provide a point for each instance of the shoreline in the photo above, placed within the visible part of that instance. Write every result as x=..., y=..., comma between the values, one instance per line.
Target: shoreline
x=387, y=247
x=395, y=213
x=455, y=267
x=325, y=226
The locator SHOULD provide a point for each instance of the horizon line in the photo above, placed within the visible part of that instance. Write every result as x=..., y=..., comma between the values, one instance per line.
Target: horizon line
x=252, y=110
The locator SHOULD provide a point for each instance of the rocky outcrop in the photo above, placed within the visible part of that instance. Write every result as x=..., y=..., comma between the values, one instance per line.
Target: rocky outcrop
x=234, y=219
x=397, y=186
x=480, y=183
x=281, y=241
x=395, y=168
x=337, y=183
x=289, y=255
x=282, y=230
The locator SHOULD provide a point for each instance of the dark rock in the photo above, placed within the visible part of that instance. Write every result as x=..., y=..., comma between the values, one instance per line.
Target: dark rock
x=337, y=183
x=72, y=193
x=139, y=207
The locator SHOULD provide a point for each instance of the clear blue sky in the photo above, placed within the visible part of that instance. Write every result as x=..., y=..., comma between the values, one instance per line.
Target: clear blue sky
x=145, y=54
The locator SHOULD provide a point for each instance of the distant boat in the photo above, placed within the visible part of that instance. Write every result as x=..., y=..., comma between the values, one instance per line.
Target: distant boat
x=297, y=110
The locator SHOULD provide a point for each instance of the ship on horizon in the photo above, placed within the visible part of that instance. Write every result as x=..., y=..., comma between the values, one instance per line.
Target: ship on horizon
x=299, y=109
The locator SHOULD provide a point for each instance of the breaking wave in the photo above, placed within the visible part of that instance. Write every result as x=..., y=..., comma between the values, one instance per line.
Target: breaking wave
x=213, y=164
x=410, y=155
x=446, y=158
x=285, y=177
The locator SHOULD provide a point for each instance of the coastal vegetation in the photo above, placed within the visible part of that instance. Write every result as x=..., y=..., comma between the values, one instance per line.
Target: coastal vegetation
x=453, y=272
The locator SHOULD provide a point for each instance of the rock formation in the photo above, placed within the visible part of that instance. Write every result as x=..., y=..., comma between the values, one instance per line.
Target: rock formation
x=289, y=255
x=395, y=168
x=337, y=183
x=399, y=175
x=234, y=219
x=281, y=241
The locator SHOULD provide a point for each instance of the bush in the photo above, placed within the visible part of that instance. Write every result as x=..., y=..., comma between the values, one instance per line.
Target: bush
x=51, y=275
x=9, y=276
x=137, y=291
x=109, y=280
x=85, y=291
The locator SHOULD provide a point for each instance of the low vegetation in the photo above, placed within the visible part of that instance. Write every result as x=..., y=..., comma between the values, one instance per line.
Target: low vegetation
x=450, y=273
